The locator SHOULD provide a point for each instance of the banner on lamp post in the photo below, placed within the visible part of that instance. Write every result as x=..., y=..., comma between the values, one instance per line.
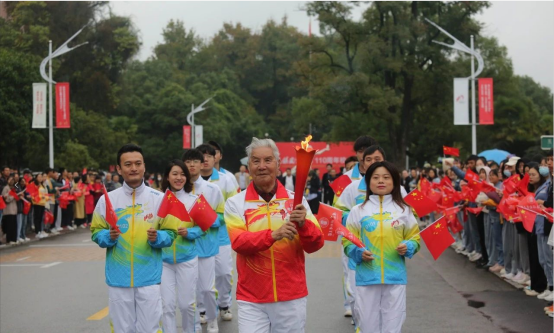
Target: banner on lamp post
x=39, y=105
x=486, y=102
x=198, y=135
x=461, y=101
x=186, y=137
x=62, y=105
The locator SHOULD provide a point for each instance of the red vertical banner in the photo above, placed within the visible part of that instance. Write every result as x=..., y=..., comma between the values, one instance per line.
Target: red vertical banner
x=62, y=105
x=486, y=102
x=186, y=137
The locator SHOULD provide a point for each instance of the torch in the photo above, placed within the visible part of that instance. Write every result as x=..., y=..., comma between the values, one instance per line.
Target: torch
x=304, y=157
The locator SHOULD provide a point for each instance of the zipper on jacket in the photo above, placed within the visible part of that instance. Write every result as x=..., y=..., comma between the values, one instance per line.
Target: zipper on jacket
x=274, y=280
x=382, y=241
x=174, y=252
x=132, y=239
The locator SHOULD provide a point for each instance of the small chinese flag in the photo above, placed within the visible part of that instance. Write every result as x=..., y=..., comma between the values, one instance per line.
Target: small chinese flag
x=450, y=214
x=328, y=217
x=173, y=206
x=339, y=184
x=48, y=217
x=26, y=207
x=32, y=189
x=435, y=196
x=420, y=203
x=475, y=211
x=341, y=230
x=451, y=151
x=527, y=218
x=2, y=203
x=424, y=186
x=448, y=200
x=27, y=177
x=111, y=216
x=486, y=187
x=13, y=193
x=471, y=176
x=522, y=185
x=202, y=213
x=511, y=184
x=446, y=183
x=437, y=238
x=527, y=201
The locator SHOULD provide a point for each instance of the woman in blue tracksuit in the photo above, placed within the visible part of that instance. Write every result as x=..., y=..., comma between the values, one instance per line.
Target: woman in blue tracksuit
x=180, y=261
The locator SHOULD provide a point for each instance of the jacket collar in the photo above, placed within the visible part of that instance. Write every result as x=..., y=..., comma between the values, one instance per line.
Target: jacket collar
x=362, y=186
x=215, y=175
x=356, y=171
x=129, y=191
x=252, y=195
x=375, y=199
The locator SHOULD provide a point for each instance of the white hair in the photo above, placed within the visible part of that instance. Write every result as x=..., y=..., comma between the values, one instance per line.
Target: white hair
x=258, y=143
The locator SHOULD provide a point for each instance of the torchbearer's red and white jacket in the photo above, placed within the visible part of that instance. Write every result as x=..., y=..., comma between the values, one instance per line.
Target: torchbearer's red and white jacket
x=268, y=270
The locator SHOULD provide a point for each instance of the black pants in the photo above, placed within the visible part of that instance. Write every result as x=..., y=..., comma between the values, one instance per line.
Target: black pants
x=38, y=214
x=79, y=222
x=481, y=231
x=538, y=278
x=67, y=215
x=10, y=227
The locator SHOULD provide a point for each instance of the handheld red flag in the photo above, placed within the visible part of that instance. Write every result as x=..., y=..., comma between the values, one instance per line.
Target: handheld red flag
x=341, y=230
x=548, y=214
x=13, y=193
x=48, y=217
x=527, y=218
x=475, y=211
x=522, y=185
x=471, y=176
x=511, y=184
x=2, y=203
x=328, y=217
x=451, y=151
x=111, y=216
x=32, y=189
x=424, y=186
x=202, y=213
x=339, y=184
x=26, y=207
x=437, y=238
x=173, y=206
x=420, y=203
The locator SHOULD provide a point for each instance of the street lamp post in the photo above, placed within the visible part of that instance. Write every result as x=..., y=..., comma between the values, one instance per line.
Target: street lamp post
x=480, y=65
x=190, y=119
x=48, y=78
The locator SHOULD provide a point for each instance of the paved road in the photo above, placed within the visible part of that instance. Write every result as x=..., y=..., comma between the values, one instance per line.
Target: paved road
x=57, y=285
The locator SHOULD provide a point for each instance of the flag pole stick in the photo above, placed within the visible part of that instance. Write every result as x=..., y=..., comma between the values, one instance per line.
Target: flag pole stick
x=532, y=211
x=429, y=225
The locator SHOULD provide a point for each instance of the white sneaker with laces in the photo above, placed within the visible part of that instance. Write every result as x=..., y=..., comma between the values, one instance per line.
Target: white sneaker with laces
x=475, y=257
x=44, y=234
x=226, y=314
x=212, y=326
x=518, y=276
x=203, y=319
x=508, y=276
x=543, y=294
x=549, y=298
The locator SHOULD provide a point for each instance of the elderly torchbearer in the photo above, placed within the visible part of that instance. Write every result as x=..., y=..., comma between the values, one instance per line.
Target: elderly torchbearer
x=270, y=237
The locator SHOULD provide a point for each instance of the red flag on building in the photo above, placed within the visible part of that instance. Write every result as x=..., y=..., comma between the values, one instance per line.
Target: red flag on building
x=527, y=218
x=202, y=213
x=476, y=210
x=338, y=185
x=451, y=151
x=328, y=217
x=420, y=203
x=111, y=216
x=437, y=238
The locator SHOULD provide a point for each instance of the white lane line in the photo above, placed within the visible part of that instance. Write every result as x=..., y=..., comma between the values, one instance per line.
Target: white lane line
x=51, y=264
x=20, y=265
x=86, y=241
x=21, y=259
x=62, y=245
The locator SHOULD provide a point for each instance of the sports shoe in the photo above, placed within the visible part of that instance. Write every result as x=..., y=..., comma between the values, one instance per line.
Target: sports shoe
x=523, y=280
x=508, y=276
x=21, y=240
x=348, y=313
x=549, y=297
x=530, y=292
x=352, y=321
x=475, y=257
x=464, y=252
x=27, y=239
x=496, y=268
x=518, y=276
x=503, y=271
x=212, y=326
x=203, y=318
x=225, y=314
x=71, y=227
x=44, y=234
x=59, y=229
x=83, y=226
x=544, y=294
x=54, y=231
x=549, y=309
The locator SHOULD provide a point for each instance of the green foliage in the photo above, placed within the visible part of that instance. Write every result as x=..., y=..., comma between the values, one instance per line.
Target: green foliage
x=74, y=156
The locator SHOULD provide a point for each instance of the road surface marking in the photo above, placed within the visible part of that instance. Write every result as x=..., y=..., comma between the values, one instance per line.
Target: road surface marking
x=20, y=265
x=51, y=264
x=21, y=259
x=99, y=315
x=62, y=245
x=86, y=240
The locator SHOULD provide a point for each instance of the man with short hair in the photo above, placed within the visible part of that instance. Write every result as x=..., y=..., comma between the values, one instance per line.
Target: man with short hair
x=288, y=180
x=134, y=252
x=218, y=158
x=110, y=185
x=360, y=145
x=270, y=237
x=243, y=177
x=200, y=161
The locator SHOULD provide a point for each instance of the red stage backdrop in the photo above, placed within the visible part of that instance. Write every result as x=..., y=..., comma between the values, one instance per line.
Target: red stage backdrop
x=337, y=153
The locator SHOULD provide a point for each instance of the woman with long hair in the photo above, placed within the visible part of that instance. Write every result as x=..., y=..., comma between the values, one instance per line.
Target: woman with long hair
x=39, y=206
x=180, y=261
x=387, y=227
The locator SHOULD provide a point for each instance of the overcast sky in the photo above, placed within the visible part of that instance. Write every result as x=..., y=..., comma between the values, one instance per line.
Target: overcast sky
x=525, y=28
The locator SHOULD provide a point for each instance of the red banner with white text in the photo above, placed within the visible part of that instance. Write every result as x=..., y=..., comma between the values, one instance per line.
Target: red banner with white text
x=62, y=105
x=186, y=137
x=332, y=153
x=486, y=102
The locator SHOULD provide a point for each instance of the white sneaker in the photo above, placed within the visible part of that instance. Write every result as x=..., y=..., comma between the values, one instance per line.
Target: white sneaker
x=83, y=226
x=21, y=240
x=212, y=326
x=27, y=239
x=44, y=234
x=471, y=254
x=71, y=227
x=475, y=257
x=523, y=280
x=503, y=271
x=543, y=294
x=203, y=319
x=226, y=314
x=59, y=229
x=530, y=292
x=549, y=298
x=464, y=252
x=54, y=232
x=508, y=276
x=518, y=276
x=348, y=313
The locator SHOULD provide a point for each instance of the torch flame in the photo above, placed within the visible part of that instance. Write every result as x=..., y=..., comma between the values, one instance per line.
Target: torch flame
x=305, y=144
